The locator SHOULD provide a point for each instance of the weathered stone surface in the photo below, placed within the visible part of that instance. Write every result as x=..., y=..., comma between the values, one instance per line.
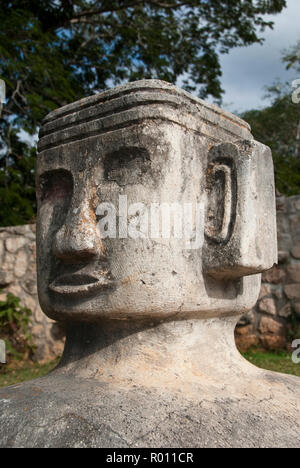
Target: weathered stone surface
x=172, y=163
x=13, y=244
x=179, y=403
x=281, y=204
x=292, y=291
x=1, y=249
x=268, y=306
x=297, y=308
x=6, y=278
x=246, y=249
x=275, y=275
x=247, y=341
x=244, y=330
x=295, y=223
x=150, y=358
x=278, y=292
x=296, y=203
x=265, y=290
x=296, y=251
x=285, y=311
x=272, y=326
x=294, y=272
x=283, y=223
x=30, y=302
x=29, y=283
x=273, y=342
x=285, y=241
x=21, y=264
x=293, y=204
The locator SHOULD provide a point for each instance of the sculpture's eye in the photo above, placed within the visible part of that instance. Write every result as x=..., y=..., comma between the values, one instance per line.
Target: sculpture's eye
x=55, y=185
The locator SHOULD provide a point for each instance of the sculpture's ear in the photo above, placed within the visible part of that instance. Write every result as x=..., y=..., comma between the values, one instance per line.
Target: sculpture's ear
x=240, y=222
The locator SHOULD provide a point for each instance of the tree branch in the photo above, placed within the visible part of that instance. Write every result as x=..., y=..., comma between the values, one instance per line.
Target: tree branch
x=82, y=16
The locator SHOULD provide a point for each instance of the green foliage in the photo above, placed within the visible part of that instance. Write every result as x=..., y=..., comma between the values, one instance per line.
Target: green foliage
x=276, y=361
x=278, y=126
x=15, y=323
x=25, y=371
x=54, y=52
x=17, y=185
x=292, y=57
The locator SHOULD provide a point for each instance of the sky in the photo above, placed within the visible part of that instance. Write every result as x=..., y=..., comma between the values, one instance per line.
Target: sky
x=247, y=70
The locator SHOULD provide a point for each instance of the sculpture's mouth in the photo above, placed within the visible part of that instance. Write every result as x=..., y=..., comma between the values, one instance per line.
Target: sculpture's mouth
x=79, y=284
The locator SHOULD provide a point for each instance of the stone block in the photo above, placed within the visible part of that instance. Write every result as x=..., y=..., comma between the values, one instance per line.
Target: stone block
x=275, y=275
x=13, y=244
x=283, y=223
x=285, y=311
x=240, y=330
x=273, y=342
x=285, y=241
x=281, y=204
x=265, y=290
x=269, y=325
x=295, y=224
x=21, y=264
x=296, y=308
x=296, y=250
x=6, y=278
x=292, y=291
x=294, y=272
x=268, y=306
x=293, y=203
x=245, y=342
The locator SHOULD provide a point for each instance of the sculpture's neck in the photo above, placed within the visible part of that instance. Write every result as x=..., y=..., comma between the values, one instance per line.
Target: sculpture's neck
x=150, y=353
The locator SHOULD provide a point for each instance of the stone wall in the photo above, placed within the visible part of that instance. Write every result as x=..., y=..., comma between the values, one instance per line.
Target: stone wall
x=272, y=323
x=18, y=276
x=268, y=325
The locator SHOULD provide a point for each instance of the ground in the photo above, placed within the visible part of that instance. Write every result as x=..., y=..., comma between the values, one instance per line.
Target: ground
x=279, y=361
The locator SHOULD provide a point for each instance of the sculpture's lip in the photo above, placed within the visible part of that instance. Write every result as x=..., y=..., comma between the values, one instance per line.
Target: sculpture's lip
x=79, y=284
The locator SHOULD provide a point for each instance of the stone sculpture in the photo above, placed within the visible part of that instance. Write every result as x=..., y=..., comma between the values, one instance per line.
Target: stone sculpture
x=150, y=359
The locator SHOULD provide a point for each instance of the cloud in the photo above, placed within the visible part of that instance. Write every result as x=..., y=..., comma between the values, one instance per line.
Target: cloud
x=247, y=70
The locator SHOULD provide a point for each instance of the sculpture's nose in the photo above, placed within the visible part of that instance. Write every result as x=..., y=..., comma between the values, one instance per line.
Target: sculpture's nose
x=78, y=240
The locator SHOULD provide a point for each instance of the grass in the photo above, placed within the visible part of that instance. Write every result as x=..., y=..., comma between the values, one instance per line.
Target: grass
x=20, y=372
x=279, y=361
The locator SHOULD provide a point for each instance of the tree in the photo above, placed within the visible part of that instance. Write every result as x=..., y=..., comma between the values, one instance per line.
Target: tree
x=292, y=57
x=17, y=184
x=53, y=52
x=278, y=126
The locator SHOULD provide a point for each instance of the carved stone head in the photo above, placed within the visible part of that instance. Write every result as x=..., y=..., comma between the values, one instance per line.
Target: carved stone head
x=151, y=203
